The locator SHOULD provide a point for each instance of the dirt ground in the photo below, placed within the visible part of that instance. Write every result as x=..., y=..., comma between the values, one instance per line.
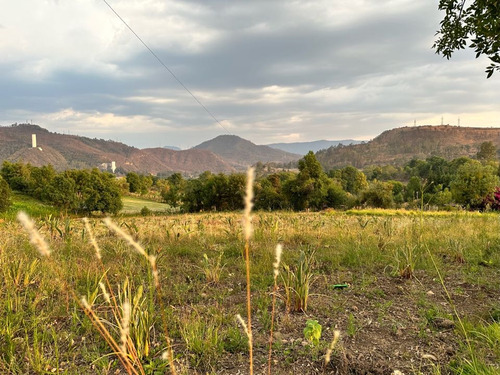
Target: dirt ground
x=387, y=324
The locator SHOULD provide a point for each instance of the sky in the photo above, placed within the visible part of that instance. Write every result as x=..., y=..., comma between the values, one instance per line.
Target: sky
x=268, y=70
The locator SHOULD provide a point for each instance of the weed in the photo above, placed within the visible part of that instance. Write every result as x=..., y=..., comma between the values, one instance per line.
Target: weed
x=312, y=332
x=352, y=325
x=297, y=282
x=203, y=341
x=212, y=268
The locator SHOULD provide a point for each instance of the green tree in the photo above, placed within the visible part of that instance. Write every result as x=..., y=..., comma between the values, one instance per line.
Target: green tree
x=103, y=193
x=487, y=152
x=61, y=192
x=474, y=183
x=379, y=194
x=40, y=179
x=17, y=175
x=309, y=189
x=475, y=23
x=4, y=195
x=174, y=192
x=134, y=182
x=336, y=197
x=352, y=179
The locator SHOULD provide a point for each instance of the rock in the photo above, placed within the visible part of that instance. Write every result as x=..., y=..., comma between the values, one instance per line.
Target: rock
x=430, y=293
x=443, y=323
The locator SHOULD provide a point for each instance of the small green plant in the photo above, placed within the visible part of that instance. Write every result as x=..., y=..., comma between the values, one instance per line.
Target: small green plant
x=352, y=325
x=312, y=332
x=212, y=268
x=406, y=260
x=297, y=283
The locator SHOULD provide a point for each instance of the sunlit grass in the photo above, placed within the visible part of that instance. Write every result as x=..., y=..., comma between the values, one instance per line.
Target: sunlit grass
x=202, y=295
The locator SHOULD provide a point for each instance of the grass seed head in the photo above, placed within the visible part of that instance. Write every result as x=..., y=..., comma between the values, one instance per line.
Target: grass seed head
x=92, y=238
x=35, y=237
x=247, y=218
x=125, y=327
x=277, y=261
x=336, y=336
x=104, y=292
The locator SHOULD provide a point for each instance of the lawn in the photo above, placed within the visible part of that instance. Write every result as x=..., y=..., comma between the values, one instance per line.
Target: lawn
x=133, y=205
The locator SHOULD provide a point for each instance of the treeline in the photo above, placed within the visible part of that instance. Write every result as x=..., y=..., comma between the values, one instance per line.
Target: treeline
x=76, y=191
x=433, y=183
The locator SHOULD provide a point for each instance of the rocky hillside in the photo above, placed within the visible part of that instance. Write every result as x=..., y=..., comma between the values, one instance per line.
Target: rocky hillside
x=398, y=146
x=71, y=151
x=242, y=153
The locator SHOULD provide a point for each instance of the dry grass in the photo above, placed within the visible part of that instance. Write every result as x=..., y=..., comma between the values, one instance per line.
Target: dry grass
x=168, y=290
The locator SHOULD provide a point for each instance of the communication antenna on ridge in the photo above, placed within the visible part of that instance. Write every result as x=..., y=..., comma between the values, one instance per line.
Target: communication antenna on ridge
x=442, y=120
x=459, y=121
x=415, y=122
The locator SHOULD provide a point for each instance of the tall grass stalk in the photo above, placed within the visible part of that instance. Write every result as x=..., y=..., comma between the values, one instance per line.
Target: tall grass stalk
x=152, y=261
x=111, y=299
x=41, y=245
x=276, y=272
x=247, y=230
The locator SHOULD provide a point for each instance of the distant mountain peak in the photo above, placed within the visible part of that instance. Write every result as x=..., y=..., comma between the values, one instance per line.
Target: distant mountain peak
x=242, y=153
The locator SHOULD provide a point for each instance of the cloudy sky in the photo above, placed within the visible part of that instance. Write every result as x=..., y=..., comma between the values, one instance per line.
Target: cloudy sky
x=268, y=70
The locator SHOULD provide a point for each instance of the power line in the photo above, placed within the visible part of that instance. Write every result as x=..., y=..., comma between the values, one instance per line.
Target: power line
x=166, y=67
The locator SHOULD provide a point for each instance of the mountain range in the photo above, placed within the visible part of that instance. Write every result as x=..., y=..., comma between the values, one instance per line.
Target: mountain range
x=223, y=154
x=229, y=153
x=70, y=151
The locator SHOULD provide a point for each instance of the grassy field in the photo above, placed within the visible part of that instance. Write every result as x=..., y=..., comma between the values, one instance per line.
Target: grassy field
x=134, y=205
x=414, y=293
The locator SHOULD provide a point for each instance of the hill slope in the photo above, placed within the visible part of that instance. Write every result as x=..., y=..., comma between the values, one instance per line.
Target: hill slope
x=242, y=153
x=303, y=148
x=398, y=146
x=71, y=151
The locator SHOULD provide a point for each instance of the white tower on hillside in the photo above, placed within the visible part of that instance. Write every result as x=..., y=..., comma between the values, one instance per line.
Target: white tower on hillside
x=113, y=166
x=33, y=140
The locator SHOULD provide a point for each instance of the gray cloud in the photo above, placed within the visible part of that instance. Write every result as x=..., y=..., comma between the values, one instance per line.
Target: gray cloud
x=272, y=70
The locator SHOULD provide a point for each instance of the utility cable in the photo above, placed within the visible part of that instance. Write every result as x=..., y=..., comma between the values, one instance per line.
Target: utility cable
x=167, y=68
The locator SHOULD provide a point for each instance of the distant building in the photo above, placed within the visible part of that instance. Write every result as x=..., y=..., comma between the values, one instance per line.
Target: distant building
x=113, y=166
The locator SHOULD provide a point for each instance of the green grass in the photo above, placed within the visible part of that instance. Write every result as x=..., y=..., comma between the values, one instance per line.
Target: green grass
x=32, y=206
x=202, y=294
x=133, y=205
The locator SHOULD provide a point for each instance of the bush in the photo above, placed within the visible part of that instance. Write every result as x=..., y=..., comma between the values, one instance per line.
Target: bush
x=145, y=211
x=4, y=195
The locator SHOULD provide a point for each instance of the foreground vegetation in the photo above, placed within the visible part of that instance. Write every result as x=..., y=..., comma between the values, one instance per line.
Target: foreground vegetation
x=417, y=293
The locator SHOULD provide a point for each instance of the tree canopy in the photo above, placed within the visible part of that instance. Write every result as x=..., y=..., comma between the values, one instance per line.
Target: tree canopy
x=476, y=23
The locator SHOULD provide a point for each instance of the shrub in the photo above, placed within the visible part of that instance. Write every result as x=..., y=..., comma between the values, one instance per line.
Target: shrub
x=4, y=195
